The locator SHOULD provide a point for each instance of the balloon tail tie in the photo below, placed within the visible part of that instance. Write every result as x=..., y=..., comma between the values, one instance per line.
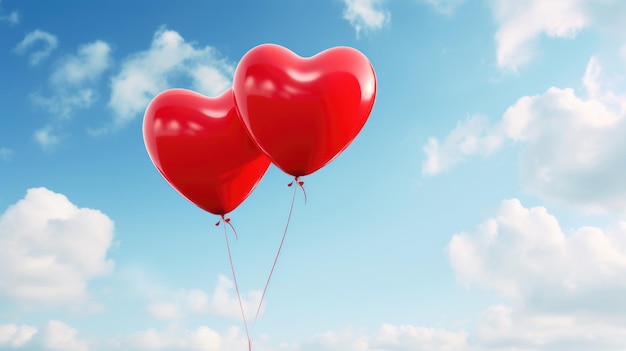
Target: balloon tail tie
x=267, y=283
x=301, y=184
x=232, y=268
x=227, y=221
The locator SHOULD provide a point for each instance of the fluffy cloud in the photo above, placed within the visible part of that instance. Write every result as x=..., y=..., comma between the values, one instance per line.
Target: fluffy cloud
x=60, y=336
x=572, y=147
x=366, y=15
x=146, y=73
x=524, y=255
x=49, y=41
x=522, y=22
x=566, y=290
x=14, y=336
x=50, y=248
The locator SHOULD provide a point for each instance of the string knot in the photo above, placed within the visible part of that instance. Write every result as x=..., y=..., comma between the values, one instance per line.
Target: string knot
x=226, y=220
x=301, y=184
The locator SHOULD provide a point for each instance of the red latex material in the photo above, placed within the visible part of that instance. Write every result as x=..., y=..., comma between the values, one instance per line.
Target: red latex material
x=303, y=112
x=201, y=148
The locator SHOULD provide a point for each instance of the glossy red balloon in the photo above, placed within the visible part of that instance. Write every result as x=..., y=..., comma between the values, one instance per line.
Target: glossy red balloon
x=201, y=148
x=303, y=112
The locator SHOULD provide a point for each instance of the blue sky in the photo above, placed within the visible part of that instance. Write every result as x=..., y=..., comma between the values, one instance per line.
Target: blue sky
x=481, y=207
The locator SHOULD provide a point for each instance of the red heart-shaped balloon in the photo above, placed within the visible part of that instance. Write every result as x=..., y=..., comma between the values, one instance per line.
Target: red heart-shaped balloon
x=201, y=148
x=303, y=112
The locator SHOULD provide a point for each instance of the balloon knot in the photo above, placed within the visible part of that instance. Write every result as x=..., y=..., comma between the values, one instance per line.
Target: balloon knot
x=300, y=183
x=226, y=220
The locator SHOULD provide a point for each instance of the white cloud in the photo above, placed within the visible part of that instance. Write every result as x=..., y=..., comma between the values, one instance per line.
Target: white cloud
x=506, y=328
x=12, y=19
x=50, y=249
x=62, y=102
x=524, y=255
x=73, y=78
x=180, y=304
x=522, y=22
x=173, y=338
x=72, y=87
x=60, y=336
x=366, y=15
x=574, y=147
x=408, y=337
x=14, y=336
x=49, y=41
x=46, y=138
x=6, y=153
x=566, y=290
x=223, y=302
x=388, y=337
x=469, y=137
x=87, y=66
x=445, y=7
x=573, y=150
x=147, y=73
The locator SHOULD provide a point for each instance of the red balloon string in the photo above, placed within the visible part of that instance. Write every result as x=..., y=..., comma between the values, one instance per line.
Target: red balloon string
x=267, y=283
x=232, y=268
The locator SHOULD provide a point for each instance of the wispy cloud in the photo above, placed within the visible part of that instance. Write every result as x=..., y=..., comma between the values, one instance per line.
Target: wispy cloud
x=12, y=18
x=445, y=7
x=71, y=87
x=521, y=24
x=469, y=137
x=170, y=58
x=49, y=42
x=47, y=138
x=6, y=154
x=72, y=81
x=366, y=15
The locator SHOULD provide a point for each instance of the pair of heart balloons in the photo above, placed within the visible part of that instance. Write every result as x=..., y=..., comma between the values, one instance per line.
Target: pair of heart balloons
x=297, y=113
